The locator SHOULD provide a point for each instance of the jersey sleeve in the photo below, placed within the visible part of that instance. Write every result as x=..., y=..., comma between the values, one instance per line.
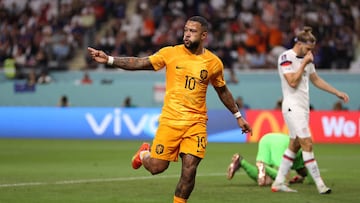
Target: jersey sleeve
x=218, y=77
x=286, y=64
x=158, y=59
x=312, y=68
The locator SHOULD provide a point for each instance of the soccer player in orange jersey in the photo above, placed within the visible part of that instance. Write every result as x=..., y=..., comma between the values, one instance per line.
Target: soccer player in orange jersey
x=190, y=68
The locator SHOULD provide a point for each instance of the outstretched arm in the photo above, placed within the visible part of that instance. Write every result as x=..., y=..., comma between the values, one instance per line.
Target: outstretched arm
x=126, y=63
x=228, y=100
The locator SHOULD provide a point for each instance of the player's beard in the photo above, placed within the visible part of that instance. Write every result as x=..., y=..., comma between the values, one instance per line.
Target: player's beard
x=192, y=46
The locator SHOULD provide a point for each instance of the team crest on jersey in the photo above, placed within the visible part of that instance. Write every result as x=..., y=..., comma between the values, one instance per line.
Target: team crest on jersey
x=203, y=74
x=284, y=61
x=159, y=149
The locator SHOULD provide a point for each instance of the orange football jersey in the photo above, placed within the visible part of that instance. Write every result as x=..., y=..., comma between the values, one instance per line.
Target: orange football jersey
x=187, y=78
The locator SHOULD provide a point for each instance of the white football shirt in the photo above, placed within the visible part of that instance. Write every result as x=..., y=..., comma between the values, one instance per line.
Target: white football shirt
x=294, y=99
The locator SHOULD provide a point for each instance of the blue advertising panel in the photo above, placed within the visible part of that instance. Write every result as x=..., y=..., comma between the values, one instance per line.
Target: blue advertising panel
x=102, y=123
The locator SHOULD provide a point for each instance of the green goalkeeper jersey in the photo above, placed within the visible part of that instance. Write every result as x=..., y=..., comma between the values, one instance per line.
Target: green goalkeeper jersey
x=271, y=149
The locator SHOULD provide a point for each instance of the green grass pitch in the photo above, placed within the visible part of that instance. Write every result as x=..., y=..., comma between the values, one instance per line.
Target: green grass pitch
x=47, y=171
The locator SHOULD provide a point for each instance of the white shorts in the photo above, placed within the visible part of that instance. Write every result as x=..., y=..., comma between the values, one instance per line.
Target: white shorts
x=298, y=124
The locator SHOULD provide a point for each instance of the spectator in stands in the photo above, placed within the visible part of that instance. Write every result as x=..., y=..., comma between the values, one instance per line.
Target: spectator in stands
x=44, y=78
x=10, y=68
x=61, y=49
x=273, y=55
x=128, y=103
x=273, y=24
x=41, y=59
x=225, y=54
x=86, y=80
x=278, y=104
x=20, y=60
x=31, y=78
x=27, y=27
x=241, y=105
x=107, y=41
x=87, y=21
x=64, y=101
x=338, y=106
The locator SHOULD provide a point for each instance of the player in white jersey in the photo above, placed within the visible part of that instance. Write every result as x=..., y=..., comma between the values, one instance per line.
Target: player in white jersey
x=297, y=99
x=296, y=68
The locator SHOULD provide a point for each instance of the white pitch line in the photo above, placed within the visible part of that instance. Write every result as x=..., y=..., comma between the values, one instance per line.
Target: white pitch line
x=69, y=182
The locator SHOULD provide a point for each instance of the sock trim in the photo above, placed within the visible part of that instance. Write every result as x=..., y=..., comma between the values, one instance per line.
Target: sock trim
x=179, y=200
x=309, y=161
x=288, y=158
x=144, y=154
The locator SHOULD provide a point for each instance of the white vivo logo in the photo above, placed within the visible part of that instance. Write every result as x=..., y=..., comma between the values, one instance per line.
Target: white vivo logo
x=135, y=129
x=338, y=126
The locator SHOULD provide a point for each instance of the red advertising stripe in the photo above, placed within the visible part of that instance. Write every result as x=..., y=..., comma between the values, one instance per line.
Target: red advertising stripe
x=325, y=126
x=263, y=122
x=335, y=126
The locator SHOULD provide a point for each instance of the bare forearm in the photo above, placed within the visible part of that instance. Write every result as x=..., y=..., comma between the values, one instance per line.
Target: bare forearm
x=323, y=85
x=133, y=63
x=227, y=99
x=295, y=78
x=126, y=63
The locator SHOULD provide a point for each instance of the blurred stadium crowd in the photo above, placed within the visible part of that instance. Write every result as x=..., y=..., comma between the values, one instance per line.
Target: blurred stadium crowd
x=246, y=34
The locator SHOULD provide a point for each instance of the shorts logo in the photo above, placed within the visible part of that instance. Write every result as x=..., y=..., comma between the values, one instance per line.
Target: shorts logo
x=159, y=149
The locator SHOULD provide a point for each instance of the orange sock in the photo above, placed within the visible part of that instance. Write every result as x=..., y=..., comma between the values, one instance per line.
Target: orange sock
x=179, y=200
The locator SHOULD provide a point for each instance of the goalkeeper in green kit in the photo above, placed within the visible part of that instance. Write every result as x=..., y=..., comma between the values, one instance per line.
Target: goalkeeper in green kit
x=271, y=148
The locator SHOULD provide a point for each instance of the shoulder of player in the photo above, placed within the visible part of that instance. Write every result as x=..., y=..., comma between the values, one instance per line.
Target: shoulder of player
x=168, y=48
x=287, y=55
x=173, y=50
x=213, y=56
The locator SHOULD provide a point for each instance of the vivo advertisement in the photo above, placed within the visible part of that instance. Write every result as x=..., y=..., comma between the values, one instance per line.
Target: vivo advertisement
x=141, y=124
x=102, y=123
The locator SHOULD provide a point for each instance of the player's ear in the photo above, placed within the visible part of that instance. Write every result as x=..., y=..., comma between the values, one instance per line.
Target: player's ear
x=204, y=35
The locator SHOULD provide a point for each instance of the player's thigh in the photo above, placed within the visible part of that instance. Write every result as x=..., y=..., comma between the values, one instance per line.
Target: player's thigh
x=194, y=141
x=298, y=124
x=167, y=141
x=189, y=164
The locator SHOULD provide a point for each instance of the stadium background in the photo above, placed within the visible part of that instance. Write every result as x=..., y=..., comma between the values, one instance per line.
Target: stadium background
x=51, y=37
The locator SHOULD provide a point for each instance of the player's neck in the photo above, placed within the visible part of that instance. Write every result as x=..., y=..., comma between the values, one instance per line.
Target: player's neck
x=297, y=51
x=198, y=51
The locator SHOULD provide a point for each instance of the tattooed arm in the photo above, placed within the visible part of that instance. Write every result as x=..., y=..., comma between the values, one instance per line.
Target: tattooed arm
x=126, y=63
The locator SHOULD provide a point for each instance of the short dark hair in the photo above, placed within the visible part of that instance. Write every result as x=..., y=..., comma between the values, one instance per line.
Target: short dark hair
x=203, y=22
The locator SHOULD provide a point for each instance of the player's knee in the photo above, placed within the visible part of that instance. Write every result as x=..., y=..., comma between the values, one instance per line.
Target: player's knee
x=308, y=147
x=157, y=170
x=157, y=167
x=306, y=144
